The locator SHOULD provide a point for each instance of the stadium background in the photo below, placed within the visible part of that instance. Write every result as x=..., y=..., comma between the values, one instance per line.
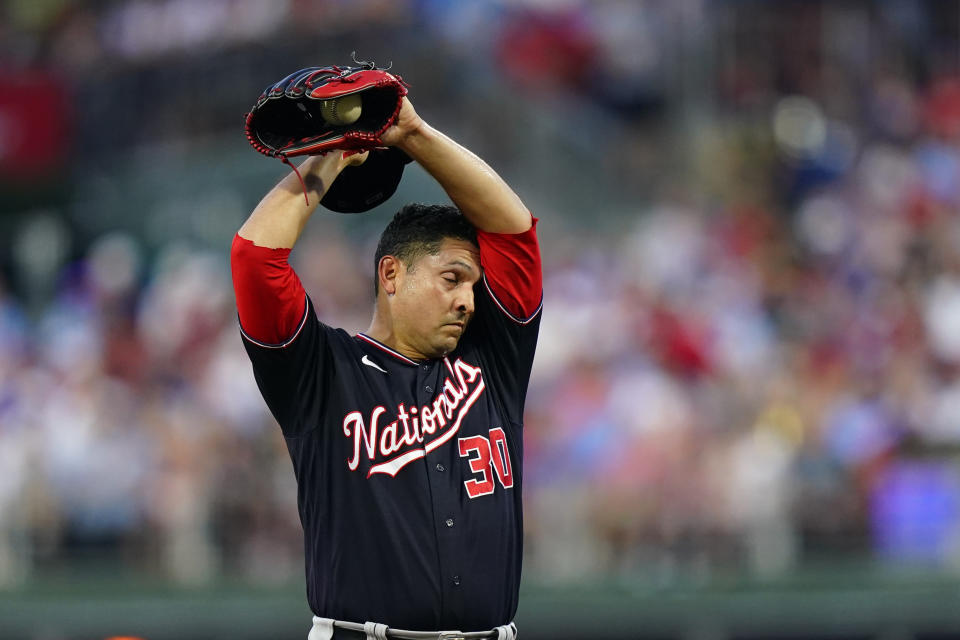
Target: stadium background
x=744, y=417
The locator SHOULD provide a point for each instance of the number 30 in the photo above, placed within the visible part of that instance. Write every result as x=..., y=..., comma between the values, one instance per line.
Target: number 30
x=499, y=460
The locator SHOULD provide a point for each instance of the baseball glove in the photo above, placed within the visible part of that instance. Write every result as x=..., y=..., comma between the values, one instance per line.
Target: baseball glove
x=297, y=116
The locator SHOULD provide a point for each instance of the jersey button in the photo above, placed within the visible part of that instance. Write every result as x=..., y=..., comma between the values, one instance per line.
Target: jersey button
x=440, y=467
x=449, y=522
x=456, y=580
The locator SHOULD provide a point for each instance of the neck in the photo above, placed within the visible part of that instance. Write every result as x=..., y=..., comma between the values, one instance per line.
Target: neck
x=382, y=330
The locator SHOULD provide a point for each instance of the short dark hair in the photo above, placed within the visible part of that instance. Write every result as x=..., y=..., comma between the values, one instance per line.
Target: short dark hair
x=418, y=230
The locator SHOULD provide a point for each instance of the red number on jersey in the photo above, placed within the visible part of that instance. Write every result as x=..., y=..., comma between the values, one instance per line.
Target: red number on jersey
x=480, y=464
x=501, y=461
x=491, y=453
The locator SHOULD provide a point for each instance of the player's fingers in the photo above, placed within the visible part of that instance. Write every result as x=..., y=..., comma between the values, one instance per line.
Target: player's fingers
x=355, y=157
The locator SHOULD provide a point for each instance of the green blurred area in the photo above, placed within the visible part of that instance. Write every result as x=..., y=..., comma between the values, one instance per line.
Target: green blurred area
x=828, y=603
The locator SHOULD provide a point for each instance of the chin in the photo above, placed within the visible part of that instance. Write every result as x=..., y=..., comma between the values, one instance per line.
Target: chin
x=445, y=348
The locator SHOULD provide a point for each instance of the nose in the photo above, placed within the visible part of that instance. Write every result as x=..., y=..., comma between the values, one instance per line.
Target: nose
x=464, y=301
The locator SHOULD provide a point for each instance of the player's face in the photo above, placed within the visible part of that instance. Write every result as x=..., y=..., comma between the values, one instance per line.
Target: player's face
x=434, y=299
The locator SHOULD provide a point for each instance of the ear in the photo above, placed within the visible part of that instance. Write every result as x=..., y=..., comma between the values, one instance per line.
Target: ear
x=388, y=272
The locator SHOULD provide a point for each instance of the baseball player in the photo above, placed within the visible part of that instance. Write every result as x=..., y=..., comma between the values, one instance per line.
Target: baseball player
x=406, y=439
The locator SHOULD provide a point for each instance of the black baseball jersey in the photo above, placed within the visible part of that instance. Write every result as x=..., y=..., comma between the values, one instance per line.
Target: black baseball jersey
x=409, y=473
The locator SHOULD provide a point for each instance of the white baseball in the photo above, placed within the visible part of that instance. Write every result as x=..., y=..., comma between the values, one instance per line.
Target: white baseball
x=345, y=110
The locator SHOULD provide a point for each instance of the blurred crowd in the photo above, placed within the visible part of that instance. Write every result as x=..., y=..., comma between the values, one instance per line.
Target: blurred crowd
x=756, y=369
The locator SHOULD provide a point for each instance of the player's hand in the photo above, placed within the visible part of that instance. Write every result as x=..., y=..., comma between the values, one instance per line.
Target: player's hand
x=336, y=161
x=407, y=122
x=329, y=165
x=352, y=158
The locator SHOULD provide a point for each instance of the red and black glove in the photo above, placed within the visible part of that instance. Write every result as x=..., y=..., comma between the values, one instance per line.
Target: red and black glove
x=287, y=121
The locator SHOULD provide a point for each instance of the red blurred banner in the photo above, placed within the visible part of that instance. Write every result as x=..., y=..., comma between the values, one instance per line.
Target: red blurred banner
x=34, y=124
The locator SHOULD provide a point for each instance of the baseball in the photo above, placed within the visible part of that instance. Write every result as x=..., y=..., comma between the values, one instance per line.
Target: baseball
x=343, y=110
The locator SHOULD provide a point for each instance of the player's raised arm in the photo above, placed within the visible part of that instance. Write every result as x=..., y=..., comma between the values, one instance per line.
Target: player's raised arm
x=476, y=189
x=271, y=301
x=276, y=223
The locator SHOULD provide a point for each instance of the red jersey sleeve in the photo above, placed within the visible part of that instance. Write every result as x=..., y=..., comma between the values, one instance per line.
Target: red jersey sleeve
x=512, y=270
x=271, y=301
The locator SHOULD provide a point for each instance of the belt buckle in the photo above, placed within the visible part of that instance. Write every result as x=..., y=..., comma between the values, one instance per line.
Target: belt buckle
x=450, y=635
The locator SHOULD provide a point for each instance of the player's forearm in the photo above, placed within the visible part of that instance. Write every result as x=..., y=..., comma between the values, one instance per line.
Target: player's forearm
x=280, y=217
x=482, y=195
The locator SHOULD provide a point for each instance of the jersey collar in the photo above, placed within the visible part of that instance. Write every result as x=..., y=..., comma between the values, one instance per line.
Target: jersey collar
x=383, y=347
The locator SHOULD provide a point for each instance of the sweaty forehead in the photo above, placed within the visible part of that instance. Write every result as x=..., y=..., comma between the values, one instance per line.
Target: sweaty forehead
x=457, y=253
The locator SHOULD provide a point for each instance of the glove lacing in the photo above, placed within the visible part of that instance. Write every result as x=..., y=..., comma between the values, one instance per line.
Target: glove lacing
x=303, y=185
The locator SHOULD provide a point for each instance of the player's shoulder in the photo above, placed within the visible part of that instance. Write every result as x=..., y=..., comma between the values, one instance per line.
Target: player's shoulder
x=343, y=351
x=333, y=340
x=341, y=337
